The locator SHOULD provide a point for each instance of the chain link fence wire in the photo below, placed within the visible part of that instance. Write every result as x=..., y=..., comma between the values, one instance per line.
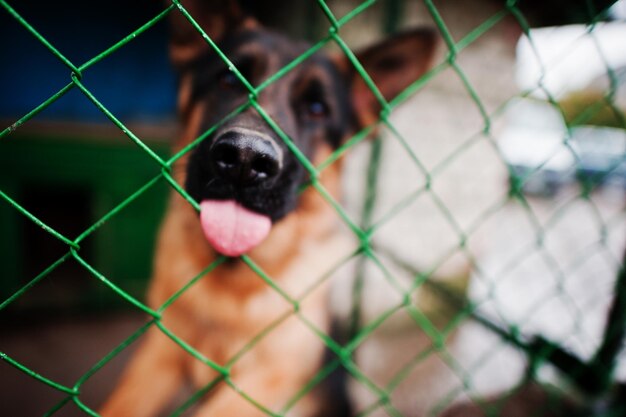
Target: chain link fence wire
x=569, y=377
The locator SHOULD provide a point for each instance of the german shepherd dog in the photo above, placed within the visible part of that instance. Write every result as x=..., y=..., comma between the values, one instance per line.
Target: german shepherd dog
x=248, y=183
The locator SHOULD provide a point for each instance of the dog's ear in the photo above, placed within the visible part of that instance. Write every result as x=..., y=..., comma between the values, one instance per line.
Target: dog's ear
x=215, y=17
x=393, y=65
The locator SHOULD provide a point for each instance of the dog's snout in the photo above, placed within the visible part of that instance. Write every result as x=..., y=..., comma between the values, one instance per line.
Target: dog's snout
x=244, y=159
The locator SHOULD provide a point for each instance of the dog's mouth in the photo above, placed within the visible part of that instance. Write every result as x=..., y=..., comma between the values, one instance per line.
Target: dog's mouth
x=231, y=228
x=244, y=185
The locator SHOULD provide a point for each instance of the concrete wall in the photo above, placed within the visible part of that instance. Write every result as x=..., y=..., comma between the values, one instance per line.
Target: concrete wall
x=444, y=128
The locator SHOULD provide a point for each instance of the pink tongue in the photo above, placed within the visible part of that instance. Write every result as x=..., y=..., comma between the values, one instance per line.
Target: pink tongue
x=230, y=228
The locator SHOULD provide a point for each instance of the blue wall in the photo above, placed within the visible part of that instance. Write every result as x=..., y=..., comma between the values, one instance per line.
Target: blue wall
x=135, y=83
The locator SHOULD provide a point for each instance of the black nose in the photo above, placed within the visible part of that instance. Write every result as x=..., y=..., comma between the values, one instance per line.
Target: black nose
x=244, y=159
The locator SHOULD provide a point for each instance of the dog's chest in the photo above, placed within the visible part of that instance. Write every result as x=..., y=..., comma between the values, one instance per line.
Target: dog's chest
x=264, y=329
x=271, y=325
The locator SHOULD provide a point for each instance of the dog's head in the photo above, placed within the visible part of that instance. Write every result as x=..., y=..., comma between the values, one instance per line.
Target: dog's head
x=244, y=172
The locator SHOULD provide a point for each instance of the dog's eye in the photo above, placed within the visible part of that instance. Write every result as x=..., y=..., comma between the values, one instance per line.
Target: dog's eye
x=316, y=109
x=228, y=80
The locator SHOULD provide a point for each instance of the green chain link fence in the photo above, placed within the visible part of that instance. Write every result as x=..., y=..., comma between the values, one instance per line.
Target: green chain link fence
x=592, y=379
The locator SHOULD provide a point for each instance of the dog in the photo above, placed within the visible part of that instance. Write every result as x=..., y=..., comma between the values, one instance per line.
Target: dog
x=244, y=339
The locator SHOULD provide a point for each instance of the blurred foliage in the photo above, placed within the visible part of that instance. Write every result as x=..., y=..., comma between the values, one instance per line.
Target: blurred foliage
x=591, y=108
x=562, y=12
x=289, y=14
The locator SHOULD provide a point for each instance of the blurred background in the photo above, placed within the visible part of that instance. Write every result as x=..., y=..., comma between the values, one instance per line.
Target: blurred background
x=69, y=165
x=502, y=178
